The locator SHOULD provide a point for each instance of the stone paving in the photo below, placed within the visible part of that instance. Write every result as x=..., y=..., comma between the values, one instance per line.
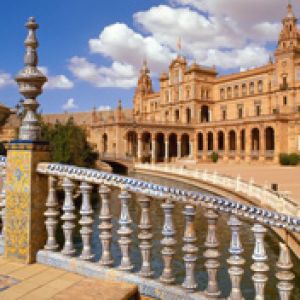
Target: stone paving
x=287, y=178
x=36, y=281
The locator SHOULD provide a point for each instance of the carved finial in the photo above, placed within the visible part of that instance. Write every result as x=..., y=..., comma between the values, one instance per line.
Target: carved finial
x=145, y=68
x=290, y=13
x=179, y=46
x=30, y=81
x=120, y=104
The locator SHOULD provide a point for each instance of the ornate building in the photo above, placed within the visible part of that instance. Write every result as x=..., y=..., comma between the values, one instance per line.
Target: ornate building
x=247, y=116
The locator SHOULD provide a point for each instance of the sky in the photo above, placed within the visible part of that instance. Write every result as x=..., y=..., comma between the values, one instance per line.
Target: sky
x=92, y=50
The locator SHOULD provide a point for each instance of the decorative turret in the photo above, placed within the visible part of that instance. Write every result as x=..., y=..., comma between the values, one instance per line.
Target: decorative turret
x=289, y=38
x=30, y=81
x=144, y=88
x=119, y=111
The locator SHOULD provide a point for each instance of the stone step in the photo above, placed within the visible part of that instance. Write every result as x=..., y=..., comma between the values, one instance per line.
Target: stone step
x=94, y=289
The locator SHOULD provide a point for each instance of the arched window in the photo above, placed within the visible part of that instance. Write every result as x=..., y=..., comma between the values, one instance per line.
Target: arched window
x=229, y=93
x=260, y=86
x=204, y=114
x=222, y=94
x=270, y=139
x=236, y=91
x=251, y=88
x=244, y=89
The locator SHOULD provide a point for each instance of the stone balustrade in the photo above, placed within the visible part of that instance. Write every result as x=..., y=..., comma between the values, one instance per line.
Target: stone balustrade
x=71, y=178
x=266, y=197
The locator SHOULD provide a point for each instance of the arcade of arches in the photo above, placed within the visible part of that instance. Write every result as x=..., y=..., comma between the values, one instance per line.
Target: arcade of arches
x=247, y=144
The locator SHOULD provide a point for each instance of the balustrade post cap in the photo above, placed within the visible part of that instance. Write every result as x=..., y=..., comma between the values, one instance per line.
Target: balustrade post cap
x=258, y=228
x=234, y=221
x=85, y=186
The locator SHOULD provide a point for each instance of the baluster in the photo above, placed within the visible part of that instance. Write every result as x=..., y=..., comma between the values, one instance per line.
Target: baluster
x=51, y=215
x=190, y=249
x=3, y=201
x=68, y=217
x=259, y=267
x=284, y=274
x=168, y=242
x=235, y=261
x=105, y=227
x=125, y=231
x=145, y=236
x=212, y=254
x=86, y=221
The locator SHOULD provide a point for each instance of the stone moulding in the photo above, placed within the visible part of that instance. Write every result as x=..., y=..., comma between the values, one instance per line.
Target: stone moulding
x=268, y=217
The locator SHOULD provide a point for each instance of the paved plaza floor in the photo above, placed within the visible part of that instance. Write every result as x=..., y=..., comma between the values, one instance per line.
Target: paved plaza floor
x=36, y=281
x=287, y=178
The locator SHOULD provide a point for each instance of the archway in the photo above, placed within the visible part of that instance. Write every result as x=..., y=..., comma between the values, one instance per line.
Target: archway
x=200, y=141
x=173, y=146
x=132, y=141
x=270, y=139
x=210, y=141
x=255, y=139
x=232, y=140
x=185, y=145
x=243, y=140
x=146, y=147
x=160, y=147
x=221, y=141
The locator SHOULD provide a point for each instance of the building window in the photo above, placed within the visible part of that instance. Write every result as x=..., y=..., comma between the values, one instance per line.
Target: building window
x=222, y=94
x=244, y=89
x=257, y=110
x=224, y=113
x=285, y=100
x=177, y=115
x=187, y=93
x=260, y=86
x=236, y=91
x=251, y=88
x=229, y=93
x=240, y=111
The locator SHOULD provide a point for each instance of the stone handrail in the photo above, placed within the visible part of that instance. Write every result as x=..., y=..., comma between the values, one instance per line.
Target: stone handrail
x=72, y=176
x=278, y=201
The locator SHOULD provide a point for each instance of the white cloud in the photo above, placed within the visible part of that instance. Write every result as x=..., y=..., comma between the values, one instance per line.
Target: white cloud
x=122, y=44
x=5, y=79
x=57, y=81
x=117, y=75
x=69, y=105
x=104, y=108
x=224, y=33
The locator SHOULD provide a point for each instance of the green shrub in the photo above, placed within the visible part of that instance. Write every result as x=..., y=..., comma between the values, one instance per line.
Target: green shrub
x=294, y=159
x=214, y=157
x=286, y=159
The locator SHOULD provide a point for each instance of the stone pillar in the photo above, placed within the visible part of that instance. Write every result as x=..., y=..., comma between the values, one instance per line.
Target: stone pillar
x=238, y=146
x=179, y=149
x=226, y=146
x=192, y=149
x=140, y=144
x=204, y=153
x=153, y=153
x=248, y=144
x=166, y=151
x=25, y=231
x=262, y=144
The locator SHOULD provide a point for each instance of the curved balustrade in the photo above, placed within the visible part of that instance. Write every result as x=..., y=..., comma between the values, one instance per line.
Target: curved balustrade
x=145, y=191
x=278, y=201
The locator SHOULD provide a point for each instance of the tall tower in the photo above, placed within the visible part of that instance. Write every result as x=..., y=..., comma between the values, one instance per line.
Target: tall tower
x=143, y=89
x=289, y=38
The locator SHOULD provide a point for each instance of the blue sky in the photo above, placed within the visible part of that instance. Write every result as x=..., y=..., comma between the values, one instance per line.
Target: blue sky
x=89, y=70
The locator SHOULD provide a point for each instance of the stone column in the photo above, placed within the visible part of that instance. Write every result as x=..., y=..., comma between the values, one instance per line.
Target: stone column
x=226, y=146
x=248, y=144
x=262, y=144
x=140, y=144
x=179, y=149
x=205, y=144
x=238, y=146
x=153, y=154
x=166, y=151
x=25, y=232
